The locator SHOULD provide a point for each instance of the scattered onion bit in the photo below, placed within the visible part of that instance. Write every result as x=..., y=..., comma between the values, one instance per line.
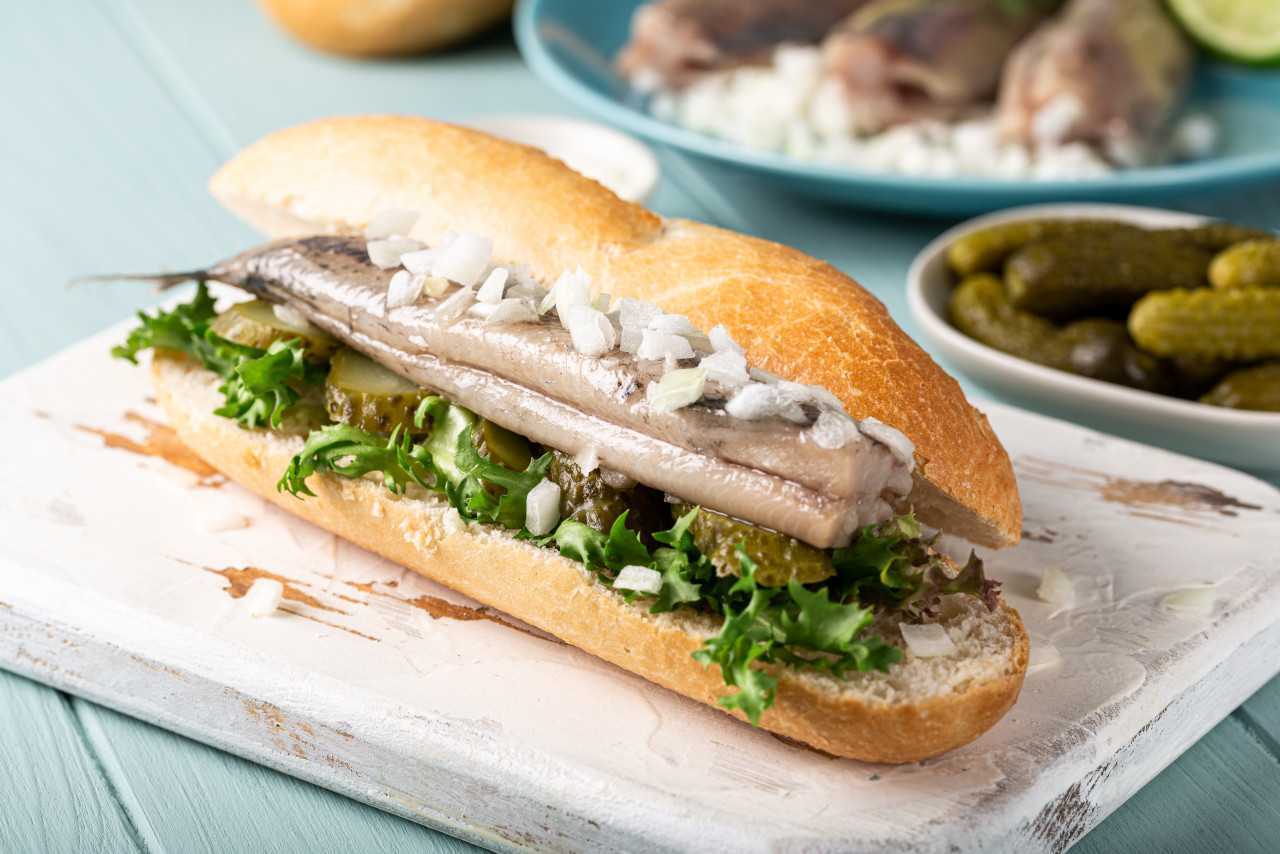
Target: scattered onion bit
x=927, y=640
x=263, y=597
x=1056, y=588
x=1191, y=600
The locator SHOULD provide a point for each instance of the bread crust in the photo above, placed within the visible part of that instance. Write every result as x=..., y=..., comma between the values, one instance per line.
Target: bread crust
x=796, y=316
x=922, y=709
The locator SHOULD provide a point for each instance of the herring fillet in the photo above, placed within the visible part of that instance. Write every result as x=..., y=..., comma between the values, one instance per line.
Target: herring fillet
x=529, y=378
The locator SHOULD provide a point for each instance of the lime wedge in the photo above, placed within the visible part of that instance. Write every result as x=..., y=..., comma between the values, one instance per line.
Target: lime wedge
x=1242, y=30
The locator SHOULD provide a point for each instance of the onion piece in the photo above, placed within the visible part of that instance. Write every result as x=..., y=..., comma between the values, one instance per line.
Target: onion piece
x=636, y=313
x=641, y=579
x=542, y=508
x=676, y=324
x=405, y=289
x=726, y=367
x=494, y=286
x=385, y=254
x=512, y=311
x=656, y=345
x=677, y=389
x=927, y=640
x=464, y=259
x=1191, y=600
x=834, y=430
x=902, y=447
x=722, y=342
x=588, y=460
x=756, y=401
x=391, y=222
x=263, y=597
x=591, y=331
x=420, y=262
x=1056, y=588
x=1042, y=651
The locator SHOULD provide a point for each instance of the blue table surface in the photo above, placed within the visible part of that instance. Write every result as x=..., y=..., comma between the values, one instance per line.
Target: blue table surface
x=112, y=117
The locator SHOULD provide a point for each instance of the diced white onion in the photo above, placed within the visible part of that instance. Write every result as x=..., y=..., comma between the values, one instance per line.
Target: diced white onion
x=572, y=288
x=641, y=579
x=1042, y=651
x=656, y=345
x=435, y=286
x=587, y=459
x=292, y=317
x=630, y=339
x=404, y=289
x=263, y=597
x=420, y=262
x=1191, y=600
x=601, y=302
x=591, y=331
x=512, y=311
x=389, y=223
x=677, y=389
x=677, y=324
x=385, y=254
x=755, y=401
x=526, y=290
x=902, y=447
x=1056, y=588
x=542, y=508
x=722, y=342
x=464, y=259
x=727, y=367
x=636, y=313
x=834, y=430
x=494, y=286
x=927, y=640
x=455, y=305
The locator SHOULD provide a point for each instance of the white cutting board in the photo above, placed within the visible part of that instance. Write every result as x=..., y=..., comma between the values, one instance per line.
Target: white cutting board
x=121, y=564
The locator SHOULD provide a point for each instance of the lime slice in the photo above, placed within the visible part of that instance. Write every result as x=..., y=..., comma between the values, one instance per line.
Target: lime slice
x=1242, y=30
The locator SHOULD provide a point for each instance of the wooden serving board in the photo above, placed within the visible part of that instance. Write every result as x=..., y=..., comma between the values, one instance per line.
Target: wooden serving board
x=122, y=559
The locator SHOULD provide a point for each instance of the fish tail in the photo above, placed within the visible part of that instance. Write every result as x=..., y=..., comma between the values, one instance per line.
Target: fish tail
x=159, y=281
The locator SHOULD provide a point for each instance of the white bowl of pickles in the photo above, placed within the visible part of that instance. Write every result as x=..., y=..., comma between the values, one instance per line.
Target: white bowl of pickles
x=1152, y=324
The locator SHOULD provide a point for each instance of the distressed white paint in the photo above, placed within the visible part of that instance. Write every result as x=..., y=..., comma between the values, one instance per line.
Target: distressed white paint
x=517, y=741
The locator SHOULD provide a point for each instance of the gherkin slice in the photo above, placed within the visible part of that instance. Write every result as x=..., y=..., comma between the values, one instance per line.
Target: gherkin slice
x=255, y=324
x=509, y=450
x=588, y=498
x=779, y=558
x=364, y=394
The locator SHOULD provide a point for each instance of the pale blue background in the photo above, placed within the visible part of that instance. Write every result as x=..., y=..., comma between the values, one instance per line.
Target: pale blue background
x=112, y=116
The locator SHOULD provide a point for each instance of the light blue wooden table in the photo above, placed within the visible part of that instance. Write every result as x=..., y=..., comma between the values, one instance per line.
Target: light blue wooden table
x=112, y=115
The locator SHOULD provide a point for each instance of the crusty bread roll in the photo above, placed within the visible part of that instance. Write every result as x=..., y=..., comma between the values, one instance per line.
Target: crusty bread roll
x=385, y=28
x=922, y=708
x=796, y=316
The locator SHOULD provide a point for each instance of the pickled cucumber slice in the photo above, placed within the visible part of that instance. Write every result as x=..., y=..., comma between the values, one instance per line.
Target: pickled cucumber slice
x=255, y=324
x=986, y=250
x=1066, y=278
x=509, y=450
x=780, y=558
x=587, y=498
x=1248, y=264
x=364, y=394
x=1256, y=387
x=1242, y=324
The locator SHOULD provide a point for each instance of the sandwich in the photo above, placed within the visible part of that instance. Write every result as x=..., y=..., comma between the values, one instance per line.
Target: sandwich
x=707, y=458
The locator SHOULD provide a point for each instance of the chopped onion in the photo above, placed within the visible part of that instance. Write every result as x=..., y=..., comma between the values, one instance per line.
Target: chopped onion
x=1056, y=588
x=385, y=254
x=834, y=430
x=263, y=597
x=572, y=288
x=512, y=311
x=1042, y=651
x=1191, y=600
x=636, y=313
x=927, y=640
x=389, y=223
x=405, y=288
x=455, y=305
x=755, y=401
x=656, y=345
x=641, y=579
x=420, y=262
x=727, y=367
x=601, y=302
x=591, y=331
x=722, y=342
x=494, y=286
x=902, y=447
x=677, y=389
x=542, y=508
x=587, y=459
x=630, y=339
x=677, y=324
x=435, y=286
x=464, y=259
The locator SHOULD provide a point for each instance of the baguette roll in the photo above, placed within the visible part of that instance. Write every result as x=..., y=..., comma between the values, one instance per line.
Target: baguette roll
x=797, y=317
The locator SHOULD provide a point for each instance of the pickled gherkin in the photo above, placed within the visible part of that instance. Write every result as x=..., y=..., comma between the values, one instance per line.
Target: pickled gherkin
x=1101, y=349
x=1256, y=387
x=986, y=250
x=980, y=309
x=255, y=324
x=360, y=392
x=1254, y=263
x=1065, y=278
x=780, y=558
x=1241, y=324
x=588, y=497
x=498, y=444
x=1211, y=237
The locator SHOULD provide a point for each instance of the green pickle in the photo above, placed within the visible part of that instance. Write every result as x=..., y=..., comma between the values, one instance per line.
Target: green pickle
x=587, y=498
x=1101, y=349
x=985, y=250
x=1253, y=263
x=1242, y=324
x=980, y=309
x=1256, y=387
x=255, y=324
x=1213, y=236
x=360, y=392
x=1065, y=278
x=509, y=450
x=780, y=558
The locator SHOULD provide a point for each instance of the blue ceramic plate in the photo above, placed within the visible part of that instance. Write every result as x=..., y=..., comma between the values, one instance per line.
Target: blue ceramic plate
x=570, y=44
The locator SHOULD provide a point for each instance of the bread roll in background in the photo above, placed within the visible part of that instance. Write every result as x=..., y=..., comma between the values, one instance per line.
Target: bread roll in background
x=385, y=28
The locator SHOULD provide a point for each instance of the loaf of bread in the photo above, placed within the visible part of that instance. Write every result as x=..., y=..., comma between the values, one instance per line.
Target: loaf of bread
x=361, y=28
